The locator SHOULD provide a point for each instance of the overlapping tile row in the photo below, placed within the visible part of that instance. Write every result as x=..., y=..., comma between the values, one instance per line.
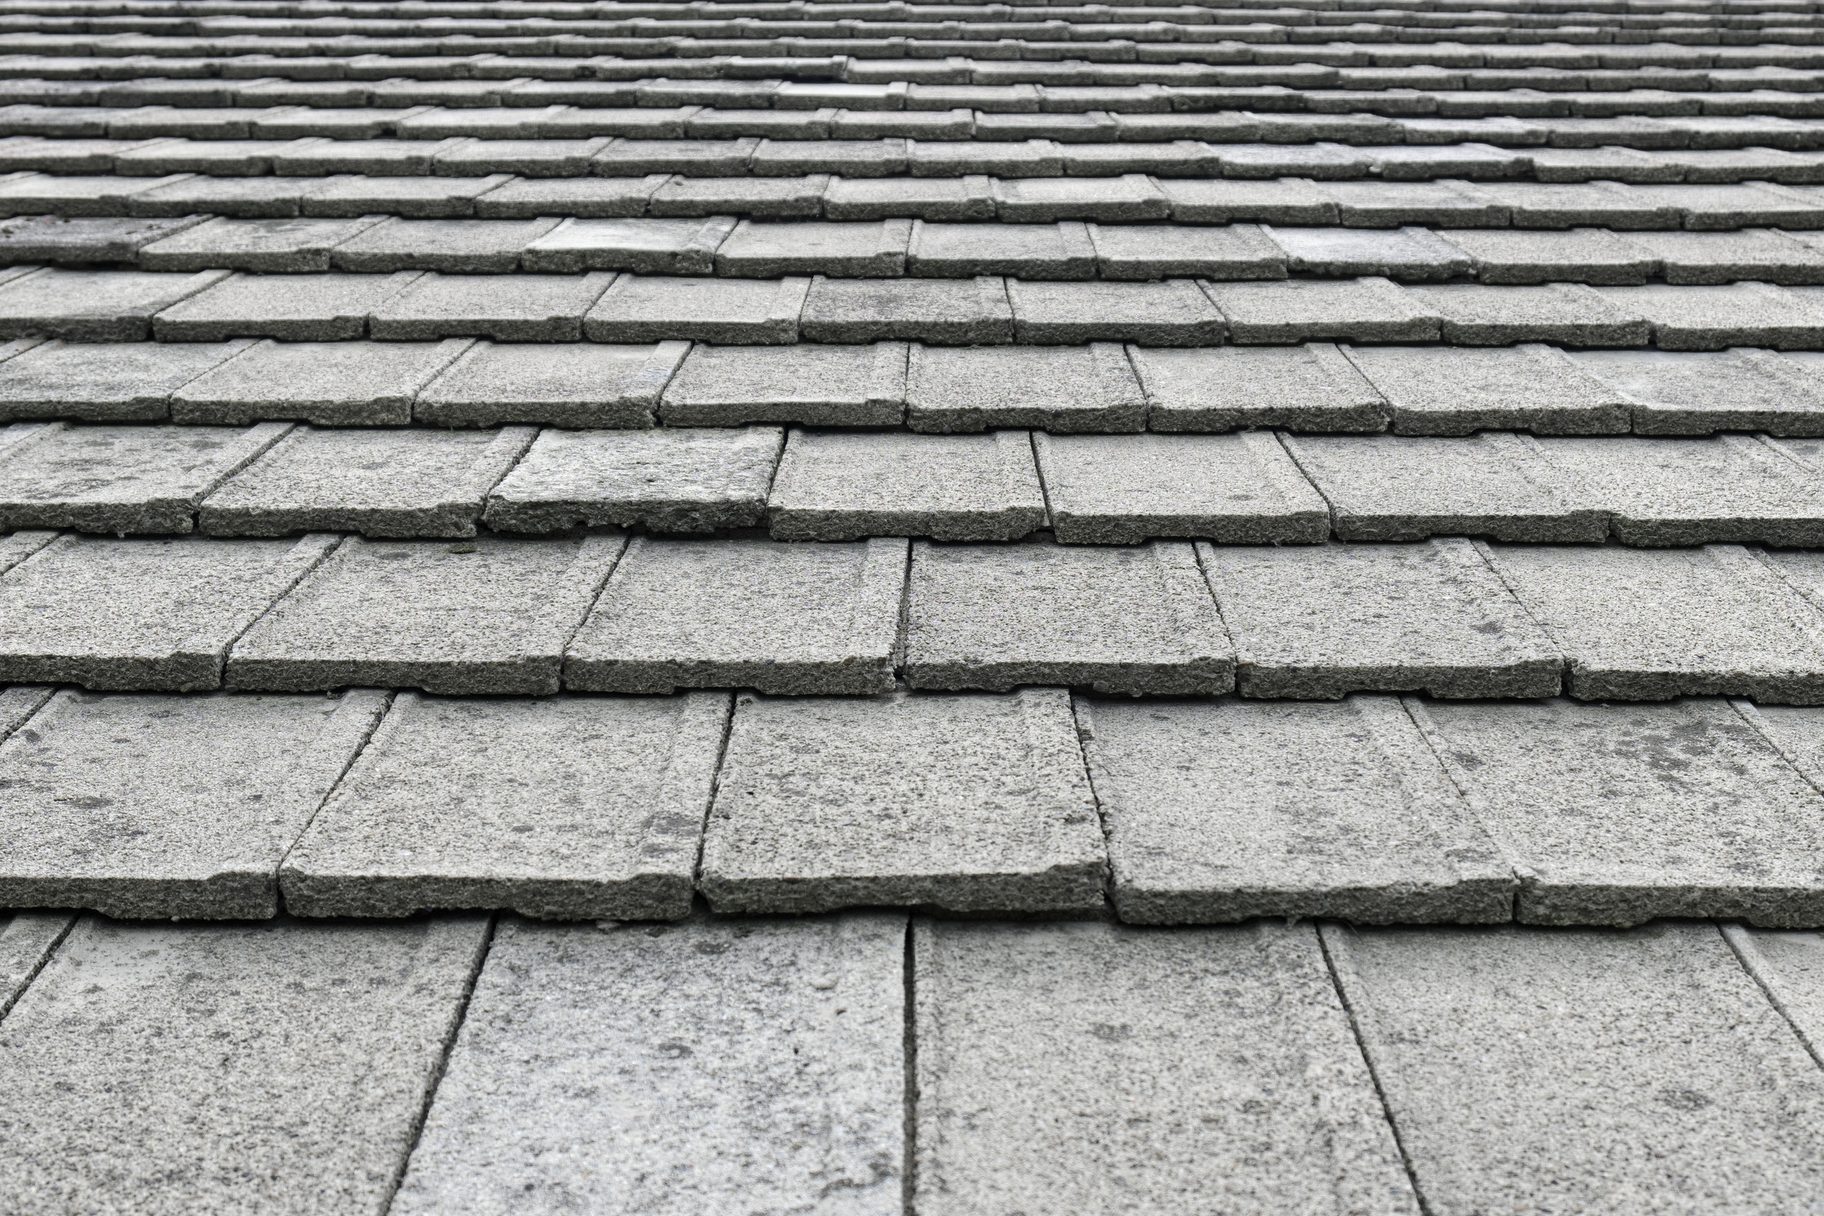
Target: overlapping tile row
x=468, y=1063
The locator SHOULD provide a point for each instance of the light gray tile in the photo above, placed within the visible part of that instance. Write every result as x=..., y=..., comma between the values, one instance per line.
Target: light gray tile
x=819, y=385
x=514, y=308
x=1434, y=390
x=1473, y=314
x=1170, y=312
x=643, y=308
x=327, y=383
x=297, y=308
x=1363, y=310
x=26, y=942
x=104, y=382
x=1064, y=388
x=460, y=246
x=852, y=249
x=1701, y=393
x=93, y=305
x=837, y=486
x=953, y=312
x=1310, y=387
x=647, y=246
x=581, y=384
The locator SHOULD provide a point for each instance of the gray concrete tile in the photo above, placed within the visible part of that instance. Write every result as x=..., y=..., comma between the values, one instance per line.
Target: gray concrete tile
x=1126, y=198
x=1497, y=485
x=512, y=308
x=1725, y=257
x=1407, y=254
x=592, y=197
x=1000, y=157
x=769, y=197
x=1122, y=489
x=1619, y=815
x=394, y=839
x=848, y=157
x=600, y=1033
x=1449, y=391
x=242, y=197
x=26, y=942
x=118, y=479
x=415, y=197
x=585, y=384
x=875, y=198
x=1157, y=251
x=843, y=486
x=92, y=305
x=1319, y=622
x=700, y=157
x=489, y=615
x=528, y=157
x=796, y=619
x=1063, y=388
x=1372, y=204
x=1784, y=963
x=647, y=246
x=859, y=249
x=103, y=382
x=1044, y=251
x=392, y=482
x=1651, y=624
x=814, y=384
x=143, y=1050
x=1568, y=314
x=1714, y=318
x=1226, y=810
x=140, y=615
x=1732, y=206
x=159, y=806
x=328, y=383
x=974, y=804
x=1290, y=161
x=1508, y=256
x=1170, y=312
x=88, y=240
x=673, y=479
x=1133, y=620
x=1226, y=200
x=1362, y=310
x=1060, y=1063
x=309, y=157
x=79, y=194
x=1598, y=204
x=295, y=308
x=1629, y=1055
x=1701, y=393
x=649, y=307
x=286, y=246
x=1310, y=387
x=950, y=312
x=465, y=246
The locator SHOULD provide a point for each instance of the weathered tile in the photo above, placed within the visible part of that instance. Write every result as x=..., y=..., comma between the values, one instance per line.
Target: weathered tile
x=1221, y=811
x=1624, y=1057
x=700, y=157
x=103, y=382
x=528, y=157
x=293, y=307
x=954, y=312
x=840, y=486
x=1650, y=624
x=93, y=305
x=1125, y=620
x=1126, y=198
x=484, y=616
x=27, y=940
x=1407, y=254
x=685, y=1062
x=1043, y=251
x=1616, y=815
x=1581, y=255
x=851, y=249
x=285, y=246
x=1310, y=387
x=1700, y=393
x=573, y=807
x=119, y=479
x=144, y=1051
x=1786, y=966
x=1364, y=310
x=1066, y=388
x=1566, y=313
x=514, y=308
x=159, y=806
x=814, y=384
x=1502, y=486
x=97, y=240
x=140, y=614
x=1002, y=157
x=1714, y=318
x=395, y=482
x=1373, y=204
x=1448, y=391
x=416, y=197
x=1323, y=621
x=582, y=384
x=1725, y=257
x=672, y=479
x=1157, y=251
x=966, y=803
x=1171, y=312
x=462, y=246
x=1095, y=1067
x=328, y=383
x=787, y=618
x=878, y=198
x=645, y=308
x=1226, y=200
x=1122, y=489
x=648, y=246
x=768, y=197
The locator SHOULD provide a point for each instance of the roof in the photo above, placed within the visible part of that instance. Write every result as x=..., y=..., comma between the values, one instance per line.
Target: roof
x=876, y=608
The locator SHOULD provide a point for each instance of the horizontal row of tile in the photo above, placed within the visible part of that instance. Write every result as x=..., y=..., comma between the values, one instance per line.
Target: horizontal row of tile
x=723, y=1065
x=216, y=305
x=1098, y=388
x=1355, y=125
x=1029, y=253
x=600, y=613
x=275, y=480
x=1373, y=809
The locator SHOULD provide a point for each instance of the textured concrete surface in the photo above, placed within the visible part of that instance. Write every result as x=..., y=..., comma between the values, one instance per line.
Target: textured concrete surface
x=646, y=308
x=1526, y=387
x=326, y=383
x=147, y=806
x=788, y=619
x=577, y=808
x=1360, y=310
x=955, y=312
x=710, y=1066
x=814, y=385
x=512, y=308
x=1096, y=1068
x=276, y=1068
x=1322, y=621
x=580, y=385
x=94, y=305
x=675, y=479
x=835, y=486
x=1225, y=810
x=1133, y=620
x=1698, y=394
x=26, y=942
x=1623, y=1060
x=1310, y=387
x=489, y=615
x=1088, y=388
x=296, y=308
x=967, y=803
x=111, y=382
